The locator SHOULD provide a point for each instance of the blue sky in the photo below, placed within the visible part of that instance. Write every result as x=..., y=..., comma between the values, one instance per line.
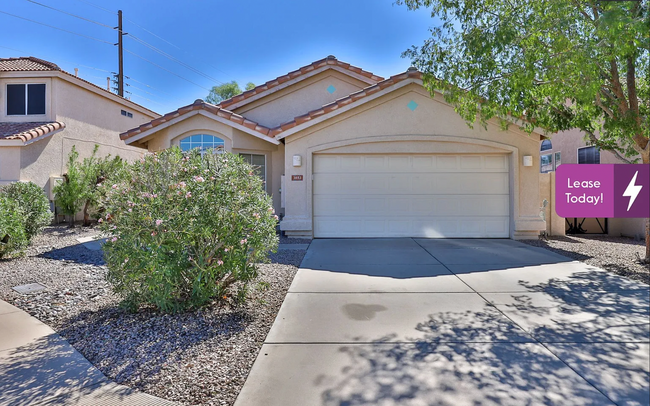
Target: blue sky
x=226, y=40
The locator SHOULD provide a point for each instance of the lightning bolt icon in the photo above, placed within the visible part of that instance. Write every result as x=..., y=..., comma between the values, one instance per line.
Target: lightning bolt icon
x=632, y=191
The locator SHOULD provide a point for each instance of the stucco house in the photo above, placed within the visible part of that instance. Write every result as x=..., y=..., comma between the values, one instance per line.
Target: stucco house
x=346, y=153
x=44, y=111
x=570, y=147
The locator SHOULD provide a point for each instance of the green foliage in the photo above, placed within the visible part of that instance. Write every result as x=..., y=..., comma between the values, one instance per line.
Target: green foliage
x=13, y=239
x=185, y=229
x=80, y=188
x=35, y=206
x=557, y=64
x=226, y=91
x=69, y=193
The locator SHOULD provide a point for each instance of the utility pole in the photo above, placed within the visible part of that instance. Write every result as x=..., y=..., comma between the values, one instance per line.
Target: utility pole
x=120, y=51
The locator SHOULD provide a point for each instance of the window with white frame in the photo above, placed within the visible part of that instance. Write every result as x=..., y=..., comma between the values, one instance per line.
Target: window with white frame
x=259, y=163
x=588, y=155
x=546, y=163
x=558, y=159
x=202, y=141
x=25, y=99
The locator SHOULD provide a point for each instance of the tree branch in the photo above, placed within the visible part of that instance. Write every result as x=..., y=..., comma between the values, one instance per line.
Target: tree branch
x=594, y=140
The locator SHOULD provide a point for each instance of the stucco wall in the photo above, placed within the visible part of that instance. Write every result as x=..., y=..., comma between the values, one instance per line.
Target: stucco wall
x=432, y=127
x=90, y=119
x=234, y=141
x=307, y=95
x=568, y=142
x=9, y=164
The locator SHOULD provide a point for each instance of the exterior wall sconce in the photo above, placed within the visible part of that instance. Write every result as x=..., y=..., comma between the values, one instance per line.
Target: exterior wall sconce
x=297, y=160
x=528, y=160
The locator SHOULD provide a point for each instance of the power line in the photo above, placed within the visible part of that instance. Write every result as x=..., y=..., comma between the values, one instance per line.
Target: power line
x=170, y=43
x=99, y=7
x=142, y=97
x=157, y=36
x=165, y=69
x=149, y=86
x=57, y=28
x=70, y=14
x=174, y=59
x=59, y=60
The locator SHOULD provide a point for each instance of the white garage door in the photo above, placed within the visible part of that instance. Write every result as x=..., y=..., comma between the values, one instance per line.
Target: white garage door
x=433, y=196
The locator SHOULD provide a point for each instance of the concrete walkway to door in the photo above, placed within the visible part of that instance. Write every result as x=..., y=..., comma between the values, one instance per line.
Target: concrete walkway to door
x=453, y=322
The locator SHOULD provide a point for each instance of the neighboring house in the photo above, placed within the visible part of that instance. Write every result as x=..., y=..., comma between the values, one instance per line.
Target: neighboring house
x=346, y=153
x=44, y=111
x=570, y=147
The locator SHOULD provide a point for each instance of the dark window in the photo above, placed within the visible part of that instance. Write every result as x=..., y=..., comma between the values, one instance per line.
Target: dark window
x=16, y=100
x=589, y=155
x=546, y=145
x=36, y=99
x=123, y=112
x=26, y=99
x=127, y=114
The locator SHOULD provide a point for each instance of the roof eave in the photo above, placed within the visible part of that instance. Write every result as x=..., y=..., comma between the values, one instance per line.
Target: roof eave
x=153, y=130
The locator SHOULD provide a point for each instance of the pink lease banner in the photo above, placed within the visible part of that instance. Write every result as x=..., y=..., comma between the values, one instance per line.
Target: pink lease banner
x=602, y=190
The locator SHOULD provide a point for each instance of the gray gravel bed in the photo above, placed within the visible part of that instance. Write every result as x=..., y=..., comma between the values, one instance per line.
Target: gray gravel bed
x=290, y=240
x=194, y=358
x=615, y=254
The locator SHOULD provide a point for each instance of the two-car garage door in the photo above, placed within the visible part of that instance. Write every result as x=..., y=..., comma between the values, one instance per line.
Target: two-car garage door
x=434, y=196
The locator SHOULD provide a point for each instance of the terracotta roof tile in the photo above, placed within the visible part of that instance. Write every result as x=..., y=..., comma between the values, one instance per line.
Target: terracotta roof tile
x=29, y=63
x=28, y=131
x=197, y=105
x=330, y=60
x=33, y=64
x=273, y=132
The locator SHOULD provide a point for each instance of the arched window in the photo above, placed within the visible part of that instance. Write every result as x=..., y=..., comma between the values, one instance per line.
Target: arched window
x=546, y=145
x=203, y=142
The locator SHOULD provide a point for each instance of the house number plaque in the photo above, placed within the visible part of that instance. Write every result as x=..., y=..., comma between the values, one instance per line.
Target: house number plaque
x=296, y=177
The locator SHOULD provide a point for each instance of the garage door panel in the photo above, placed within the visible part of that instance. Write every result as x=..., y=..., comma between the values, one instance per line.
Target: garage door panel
x=428, y=227
x=434, y=196
x=410, y=183
x=447, y=205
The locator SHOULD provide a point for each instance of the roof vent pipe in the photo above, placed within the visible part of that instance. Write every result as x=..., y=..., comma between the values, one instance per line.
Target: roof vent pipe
x=108, y=83
x=76, y=72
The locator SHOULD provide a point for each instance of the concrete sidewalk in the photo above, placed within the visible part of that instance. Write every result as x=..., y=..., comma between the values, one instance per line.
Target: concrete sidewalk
x=38, y=367
x=453, y=322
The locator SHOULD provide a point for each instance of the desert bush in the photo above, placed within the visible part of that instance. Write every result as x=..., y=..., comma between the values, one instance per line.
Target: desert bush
x=69, y=193
x=13, y=238
x=185, y=228
x=34, y=204
x=79, y=190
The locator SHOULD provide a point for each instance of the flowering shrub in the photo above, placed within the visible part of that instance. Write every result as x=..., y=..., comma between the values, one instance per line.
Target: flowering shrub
x=34, y=204
x=13, y=238
x=183, y=228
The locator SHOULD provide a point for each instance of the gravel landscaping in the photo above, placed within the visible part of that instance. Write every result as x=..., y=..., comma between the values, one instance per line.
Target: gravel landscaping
x=619, y=255
x=195, y=358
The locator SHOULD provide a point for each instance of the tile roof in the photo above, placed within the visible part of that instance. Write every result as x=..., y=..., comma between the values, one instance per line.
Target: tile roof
x=344, y=101
x=28, y=63
x=32, y=64
x=330, y=60
x=28, y=131
x=198, y=105
x=273, y=132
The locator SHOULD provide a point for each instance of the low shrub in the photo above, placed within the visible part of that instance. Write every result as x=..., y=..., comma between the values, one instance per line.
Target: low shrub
x=34, y=204
x=13, y=239
x=185, y=228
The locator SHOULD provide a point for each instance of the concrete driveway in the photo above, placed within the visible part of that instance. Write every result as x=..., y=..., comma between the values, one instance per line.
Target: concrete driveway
x=453, y=322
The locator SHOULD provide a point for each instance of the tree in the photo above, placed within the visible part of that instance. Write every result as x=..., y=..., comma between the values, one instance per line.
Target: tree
x=556, y=65
x=226, y=91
